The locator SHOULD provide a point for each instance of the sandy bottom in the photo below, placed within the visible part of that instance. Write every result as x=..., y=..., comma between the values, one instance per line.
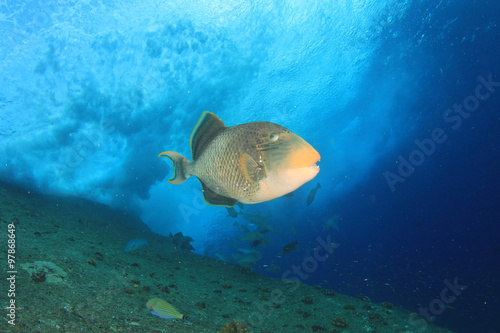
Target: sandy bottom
x=89, y=284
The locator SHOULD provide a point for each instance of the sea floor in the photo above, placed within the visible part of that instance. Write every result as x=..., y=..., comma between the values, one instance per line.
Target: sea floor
x=73, y=276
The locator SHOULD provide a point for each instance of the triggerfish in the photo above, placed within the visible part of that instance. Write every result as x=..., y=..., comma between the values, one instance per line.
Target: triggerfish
x=163, y=309
x=248, y=163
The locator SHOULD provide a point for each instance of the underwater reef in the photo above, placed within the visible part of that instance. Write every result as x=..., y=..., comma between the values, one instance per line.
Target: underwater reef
x=73, y=275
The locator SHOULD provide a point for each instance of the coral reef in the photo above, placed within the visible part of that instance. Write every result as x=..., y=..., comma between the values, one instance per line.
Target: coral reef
x=328, y=292
x=107, y=287
x=387, y=305
x=340, y=323
x=307, y=300
x=235, y=327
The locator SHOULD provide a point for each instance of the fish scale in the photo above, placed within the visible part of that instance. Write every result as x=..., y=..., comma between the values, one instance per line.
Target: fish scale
x=225, y=151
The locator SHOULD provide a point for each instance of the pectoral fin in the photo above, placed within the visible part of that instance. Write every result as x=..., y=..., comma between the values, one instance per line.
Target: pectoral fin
x=251, y=170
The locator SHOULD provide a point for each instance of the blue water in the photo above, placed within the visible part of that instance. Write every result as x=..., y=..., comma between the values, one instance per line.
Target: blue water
x=92, y=91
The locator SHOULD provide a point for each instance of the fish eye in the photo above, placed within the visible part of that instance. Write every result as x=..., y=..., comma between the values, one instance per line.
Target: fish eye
x=274, y=136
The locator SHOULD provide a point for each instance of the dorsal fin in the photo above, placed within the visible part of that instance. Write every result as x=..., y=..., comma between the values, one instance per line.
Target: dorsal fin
x=208, y=126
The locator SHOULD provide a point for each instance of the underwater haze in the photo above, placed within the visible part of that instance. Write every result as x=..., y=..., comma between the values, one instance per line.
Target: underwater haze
x=400, y=98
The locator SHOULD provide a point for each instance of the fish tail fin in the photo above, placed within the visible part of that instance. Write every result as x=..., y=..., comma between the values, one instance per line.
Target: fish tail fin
x=181, y=164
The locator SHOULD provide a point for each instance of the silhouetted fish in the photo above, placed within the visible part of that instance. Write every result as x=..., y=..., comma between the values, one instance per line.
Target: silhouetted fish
x=260, y=242
x=289, y=247
x=232, y=212
x=312, y=194
x=183, y=242
x=247, y=257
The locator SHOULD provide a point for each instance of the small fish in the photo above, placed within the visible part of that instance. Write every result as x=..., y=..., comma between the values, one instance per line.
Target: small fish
x=163, y=309
x=232, y=212
x=260, y=242
x=289, y=247
x=353, y=127
x=332, y=223
x=181, y=241
x=222, y=256
x=242, y=228
x=135, y=244
x=247, y=257
x=248, y=163
x=260, y=221
x=312, y=194
x=251, y=236
x=256, y=219
x=273, y=268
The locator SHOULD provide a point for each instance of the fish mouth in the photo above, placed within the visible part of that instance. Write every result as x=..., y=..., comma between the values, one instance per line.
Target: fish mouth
x=295, y=153
x=315, y=166
x=315, y=158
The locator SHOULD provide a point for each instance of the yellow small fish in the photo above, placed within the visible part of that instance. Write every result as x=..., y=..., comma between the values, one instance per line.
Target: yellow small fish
x=163, y=309
x=247, y=163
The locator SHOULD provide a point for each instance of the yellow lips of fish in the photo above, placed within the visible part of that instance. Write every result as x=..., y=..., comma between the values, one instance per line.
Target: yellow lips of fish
x=163, y=309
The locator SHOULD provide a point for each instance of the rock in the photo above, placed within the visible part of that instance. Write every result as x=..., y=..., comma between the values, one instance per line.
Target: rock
x=51, y=272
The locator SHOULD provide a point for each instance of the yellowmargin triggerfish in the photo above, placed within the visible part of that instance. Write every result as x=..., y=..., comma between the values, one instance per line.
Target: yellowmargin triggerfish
x=163, y=309
x=249, y=163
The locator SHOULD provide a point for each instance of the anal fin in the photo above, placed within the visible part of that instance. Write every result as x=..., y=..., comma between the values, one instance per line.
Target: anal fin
x=214, y=199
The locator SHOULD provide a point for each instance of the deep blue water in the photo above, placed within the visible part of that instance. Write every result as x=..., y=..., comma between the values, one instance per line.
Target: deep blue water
x=92, y=92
